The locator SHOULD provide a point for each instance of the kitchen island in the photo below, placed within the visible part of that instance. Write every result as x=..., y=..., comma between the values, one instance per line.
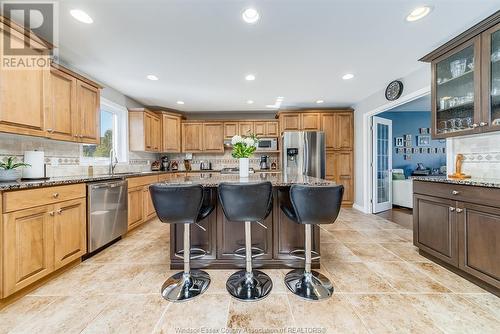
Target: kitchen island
x=219, y=238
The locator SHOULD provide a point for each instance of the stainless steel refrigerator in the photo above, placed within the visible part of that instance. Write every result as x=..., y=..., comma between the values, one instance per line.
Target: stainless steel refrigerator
x=303, y=153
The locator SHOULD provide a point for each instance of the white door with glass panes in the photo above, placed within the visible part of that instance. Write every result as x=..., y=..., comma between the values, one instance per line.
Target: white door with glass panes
x=382, y=164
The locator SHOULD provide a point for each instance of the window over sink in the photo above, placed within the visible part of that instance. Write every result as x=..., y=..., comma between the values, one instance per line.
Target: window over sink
x=113, y=135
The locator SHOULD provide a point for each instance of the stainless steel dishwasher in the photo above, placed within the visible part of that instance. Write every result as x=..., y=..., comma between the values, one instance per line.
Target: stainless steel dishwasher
x=107, y=210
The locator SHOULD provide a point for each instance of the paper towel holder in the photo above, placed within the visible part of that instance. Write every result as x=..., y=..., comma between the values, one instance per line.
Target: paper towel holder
x=36, y=159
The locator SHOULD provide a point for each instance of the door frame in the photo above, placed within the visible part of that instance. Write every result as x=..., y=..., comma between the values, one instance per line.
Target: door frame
x=367, y=144
x=387, y=205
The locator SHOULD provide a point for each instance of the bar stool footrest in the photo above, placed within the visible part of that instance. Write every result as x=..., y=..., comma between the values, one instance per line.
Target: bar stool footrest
x=195, y=252
x=296, y=254
x=256, y=252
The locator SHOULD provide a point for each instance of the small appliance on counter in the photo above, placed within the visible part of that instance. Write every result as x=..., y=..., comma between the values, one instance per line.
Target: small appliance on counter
x=165, y=164
x=36, y=169
x=155, y=166
x=187, y=165
x=205, y=165
x=274, y=166
x=174, y=166
x=264, y=162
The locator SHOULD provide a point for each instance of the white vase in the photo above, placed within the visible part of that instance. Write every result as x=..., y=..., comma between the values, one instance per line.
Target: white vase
x=243, y=167
x=9, y=175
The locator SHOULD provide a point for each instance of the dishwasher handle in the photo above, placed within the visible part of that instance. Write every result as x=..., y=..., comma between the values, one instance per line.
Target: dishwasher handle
x=108, y=185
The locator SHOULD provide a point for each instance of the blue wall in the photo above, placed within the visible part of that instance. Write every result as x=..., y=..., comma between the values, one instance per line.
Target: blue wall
x=404, y=123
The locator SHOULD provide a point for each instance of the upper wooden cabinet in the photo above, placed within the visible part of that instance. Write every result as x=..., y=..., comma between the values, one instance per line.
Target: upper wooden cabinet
x=306, y=121
x=171, y=133
x=192, y=137
x=87, y=120
x=245, y=128
x=145, y=130
x=60, y=119
x=343, y=131
x=213, y=137
x=310, y=121
x=272, y=129
x=230, y=129
x=465, y=82
x=290, y=122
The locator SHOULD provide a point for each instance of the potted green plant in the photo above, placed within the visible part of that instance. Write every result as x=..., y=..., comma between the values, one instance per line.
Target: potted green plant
x=243, y=148
x=9, y=169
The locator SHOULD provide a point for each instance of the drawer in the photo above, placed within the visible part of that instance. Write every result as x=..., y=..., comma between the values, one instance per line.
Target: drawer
x=142, y=181
x=457, y=192
x=30, y=198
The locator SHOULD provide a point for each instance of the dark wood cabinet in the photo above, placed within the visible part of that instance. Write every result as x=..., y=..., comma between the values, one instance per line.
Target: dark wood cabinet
x=435, y=228
x=460, y=225
x=479, y=235
x=465, y=84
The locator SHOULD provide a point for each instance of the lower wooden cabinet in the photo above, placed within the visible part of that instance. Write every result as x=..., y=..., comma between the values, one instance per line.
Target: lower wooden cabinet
x=135, y=206
x=149, y=209
x=70, y=234
x=40, y=240
x=479, y=235
x=140, y=204
x=339, y=168
x=436, y=227
x=459, y=225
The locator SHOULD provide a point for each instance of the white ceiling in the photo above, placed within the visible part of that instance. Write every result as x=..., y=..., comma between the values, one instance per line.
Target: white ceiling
x=201, y=49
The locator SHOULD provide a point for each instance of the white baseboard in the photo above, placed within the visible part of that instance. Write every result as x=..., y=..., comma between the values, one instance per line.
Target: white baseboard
x=359, y=208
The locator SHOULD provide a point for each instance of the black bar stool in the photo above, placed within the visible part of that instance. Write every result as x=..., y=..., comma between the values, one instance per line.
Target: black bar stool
x=182, y=204
x=311, y=205
x=247, y=202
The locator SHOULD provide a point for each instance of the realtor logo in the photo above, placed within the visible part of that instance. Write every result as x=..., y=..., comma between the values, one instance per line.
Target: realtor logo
x=29, y=33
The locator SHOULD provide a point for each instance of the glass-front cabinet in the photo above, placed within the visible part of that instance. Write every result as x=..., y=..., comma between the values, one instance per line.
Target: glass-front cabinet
x=491, y=78
x=465, y=83
x=456, y=80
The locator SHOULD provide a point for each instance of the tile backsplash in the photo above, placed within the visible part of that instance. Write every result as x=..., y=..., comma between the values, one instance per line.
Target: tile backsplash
x=220, y=160
x=482, y=154
x=63, y=158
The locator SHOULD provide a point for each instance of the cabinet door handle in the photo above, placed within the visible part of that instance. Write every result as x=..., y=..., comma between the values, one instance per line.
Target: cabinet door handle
x=51, y=213
x=483, y=123
x=50, y=130
x=452, y=209
x=55, y=195
x=455, y=192
x=475, y=125
x=59, y=211
x=459, y=210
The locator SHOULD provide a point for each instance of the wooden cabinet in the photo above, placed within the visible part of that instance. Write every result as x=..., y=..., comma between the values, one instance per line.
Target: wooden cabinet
x=260, y=128
x=213, y=137
x=436, y=227
x=42, y=236
x=290, y=122
x=330, y=168
x=339, y=168
x=230, y=129
x=171, y=133
x=28, y=253
x=88, y=105
x=23, y=92
x=60, y=119
x=192, y=137
x=344, y=131
x=272, y=129
x=140, y=204
x=310, y=121
x=70, y=236
x=464, y=82
x=479, y=235
x=460, y=225
x=328, y=126
x=144, y=130
x=245, y=128
x=135, y=206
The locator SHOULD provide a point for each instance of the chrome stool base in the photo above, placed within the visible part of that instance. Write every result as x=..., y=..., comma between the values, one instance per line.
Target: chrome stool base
x=310, y=286
x=181, y=286
x=249, y=286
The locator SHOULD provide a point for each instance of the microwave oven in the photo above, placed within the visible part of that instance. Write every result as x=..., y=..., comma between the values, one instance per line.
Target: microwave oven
x=267, y=144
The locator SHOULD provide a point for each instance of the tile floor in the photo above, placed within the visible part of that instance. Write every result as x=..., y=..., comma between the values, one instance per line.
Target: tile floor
x=381, y=285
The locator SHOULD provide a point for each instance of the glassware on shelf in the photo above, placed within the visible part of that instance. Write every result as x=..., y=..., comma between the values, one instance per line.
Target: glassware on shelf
x=457, y=67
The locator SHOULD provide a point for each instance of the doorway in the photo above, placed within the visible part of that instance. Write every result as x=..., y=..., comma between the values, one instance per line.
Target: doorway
x=382, y=164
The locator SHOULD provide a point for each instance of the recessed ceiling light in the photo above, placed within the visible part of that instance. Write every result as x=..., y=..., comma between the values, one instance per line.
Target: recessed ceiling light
x=250, y=77
x=319, y=101
x=152, y=77
x=250, y=102
x=418, y=13
x=250, y=15
x=348, y=76
x=81, y=16
x=180, y=102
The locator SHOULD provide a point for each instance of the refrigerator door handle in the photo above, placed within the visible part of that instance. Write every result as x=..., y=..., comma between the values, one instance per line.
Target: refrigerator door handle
x=306, y=155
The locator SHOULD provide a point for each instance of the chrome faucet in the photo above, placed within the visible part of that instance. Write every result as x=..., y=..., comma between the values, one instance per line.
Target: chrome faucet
x=113, y=161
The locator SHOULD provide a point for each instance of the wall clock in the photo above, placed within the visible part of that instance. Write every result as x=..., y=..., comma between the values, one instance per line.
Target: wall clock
x=394, y=90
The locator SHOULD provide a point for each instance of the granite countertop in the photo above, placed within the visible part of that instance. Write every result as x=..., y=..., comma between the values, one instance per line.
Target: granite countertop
x=62, y=180
x=478, y=182
x=277, y=179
